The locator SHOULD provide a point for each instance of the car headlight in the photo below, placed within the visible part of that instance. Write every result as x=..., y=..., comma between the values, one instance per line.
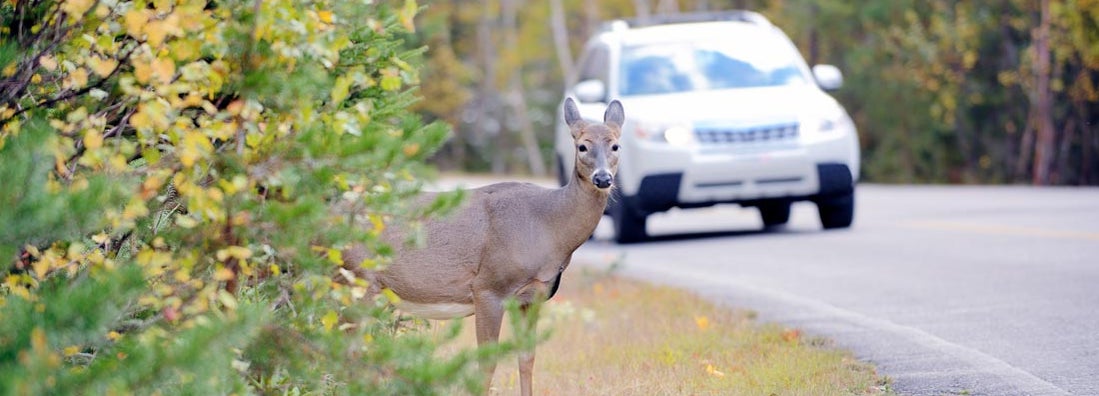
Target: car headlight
x=673, y=134
x=825, y=124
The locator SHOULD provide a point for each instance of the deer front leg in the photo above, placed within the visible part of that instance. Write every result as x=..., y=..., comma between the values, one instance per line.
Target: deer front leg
x=530, y=299
x=526, y=358
x=488, y=311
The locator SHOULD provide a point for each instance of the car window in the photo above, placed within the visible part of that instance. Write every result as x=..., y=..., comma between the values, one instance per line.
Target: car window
x=594, y=66
x=719, y=63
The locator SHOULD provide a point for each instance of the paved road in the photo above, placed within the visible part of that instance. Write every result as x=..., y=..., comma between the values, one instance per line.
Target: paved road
x=949, y=290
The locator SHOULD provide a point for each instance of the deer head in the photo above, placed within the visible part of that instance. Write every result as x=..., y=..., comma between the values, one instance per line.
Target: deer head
x=596, y=144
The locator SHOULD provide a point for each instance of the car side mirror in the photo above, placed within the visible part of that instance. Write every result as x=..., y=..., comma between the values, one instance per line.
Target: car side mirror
x=589, y=91
x=829, y=77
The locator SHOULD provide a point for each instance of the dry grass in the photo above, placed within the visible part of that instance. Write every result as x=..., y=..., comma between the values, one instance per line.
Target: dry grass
x=612, y=336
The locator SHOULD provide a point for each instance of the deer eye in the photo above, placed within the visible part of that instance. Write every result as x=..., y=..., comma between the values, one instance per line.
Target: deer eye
x=582, y=148
x=614, y=148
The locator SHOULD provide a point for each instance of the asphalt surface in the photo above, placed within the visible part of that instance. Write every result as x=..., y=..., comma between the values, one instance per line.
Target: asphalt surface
x=948, y=290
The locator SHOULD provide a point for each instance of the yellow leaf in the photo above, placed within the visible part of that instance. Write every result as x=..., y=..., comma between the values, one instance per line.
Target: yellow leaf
x=392, y=296
x=164, y=69
x=71, y=350
x=134, y=209
x=102, y=67
x=187, y=222
x=227, y=299
x=93, y=139
x=41, y=268
x=408, y=12
x=77, y=8
x=38, y=339
x=235, y=107
x=100, y=238
x=275, y=270
x=702, y=322
x=325, y=16
x=75, y=251
x=378, y=223
x=223, y=274
x=113, y=335
x=712, y=371
x=237, y=252
x=195, y=145
x=135, y=20
x=77, y=79
x=390, y=82
x=155, y=32
x=329, y=320
x=335, y=256
x=48, y=62
x=142, y=70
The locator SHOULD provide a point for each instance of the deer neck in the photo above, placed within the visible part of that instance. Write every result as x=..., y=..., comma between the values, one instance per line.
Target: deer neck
x=578, y=209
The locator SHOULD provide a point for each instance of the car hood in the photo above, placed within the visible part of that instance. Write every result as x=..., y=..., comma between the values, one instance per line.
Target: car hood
x=747, y=105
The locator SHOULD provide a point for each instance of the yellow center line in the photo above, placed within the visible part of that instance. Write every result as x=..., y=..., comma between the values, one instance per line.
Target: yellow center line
x=1001, y=229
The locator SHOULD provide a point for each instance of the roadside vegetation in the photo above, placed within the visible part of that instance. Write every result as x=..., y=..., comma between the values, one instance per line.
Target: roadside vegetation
x=177, y=181
x=615, y=336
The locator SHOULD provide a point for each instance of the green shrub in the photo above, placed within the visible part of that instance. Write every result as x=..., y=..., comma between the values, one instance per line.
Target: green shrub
x=178, y=179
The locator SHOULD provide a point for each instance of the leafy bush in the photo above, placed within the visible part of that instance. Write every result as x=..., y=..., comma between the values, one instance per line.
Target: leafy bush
x=179, y=179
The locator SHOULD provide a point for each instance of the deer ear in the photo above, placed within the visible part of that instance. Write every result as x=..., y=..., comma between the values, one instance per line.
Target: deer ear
x=572, y=114
x=615, y=115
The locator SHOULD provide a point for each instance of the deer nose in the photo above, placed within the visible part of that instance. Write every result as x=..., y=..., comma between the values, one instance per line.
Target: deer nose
x=602, y=179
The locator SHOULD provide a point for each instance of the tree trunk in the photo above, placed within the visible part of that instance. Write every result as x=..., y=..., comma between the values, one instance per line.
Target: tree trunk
x=641, y=7
x=561, y=42
x=814, y=45
x=591, y=18
x=665, y=7
x=1046, y=137
x=516, y=97
x=1026, y=146
x=488, y=127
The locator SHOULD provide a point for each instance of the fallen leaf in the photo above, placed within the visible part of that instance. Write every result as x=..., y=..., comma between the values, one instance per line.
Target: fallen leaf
x=702, y=322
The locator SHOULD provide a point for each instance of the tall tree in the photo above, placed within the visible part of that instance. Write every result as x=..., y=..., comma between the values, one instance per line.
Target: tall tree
x=1043, y=106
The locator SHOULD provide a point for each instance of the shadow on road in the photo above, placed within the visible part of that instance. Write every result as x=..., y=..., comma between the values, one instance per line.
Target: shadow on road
x=659, y=238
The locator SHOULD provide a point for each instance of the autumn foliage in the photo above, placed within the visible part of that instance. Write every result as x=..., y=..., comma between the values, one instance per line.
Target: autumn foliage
x=177, y=179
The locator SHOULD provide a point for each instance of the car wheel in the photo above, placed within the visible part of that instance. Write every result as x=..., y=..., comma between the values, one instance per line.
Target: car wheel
x=774, y=213
x=628, y=226
x=838, y=211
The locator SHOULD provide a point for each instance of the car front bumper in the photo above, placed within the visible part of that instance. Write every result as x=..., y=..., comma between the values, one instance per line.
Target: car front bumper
x=707, y=176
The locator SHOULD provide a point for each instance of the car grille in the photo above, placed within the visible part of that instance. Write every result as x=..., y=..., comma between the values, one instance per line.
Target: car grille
x=746, y=134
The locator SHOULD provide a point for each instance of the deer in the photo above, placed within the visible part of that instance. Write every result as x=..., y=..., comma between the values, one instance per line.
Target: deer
x=507, y=240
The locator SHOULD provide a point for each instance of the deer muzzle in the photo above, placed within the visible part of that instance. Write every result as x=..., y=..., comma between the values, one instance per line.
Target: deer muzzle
x=602, y=178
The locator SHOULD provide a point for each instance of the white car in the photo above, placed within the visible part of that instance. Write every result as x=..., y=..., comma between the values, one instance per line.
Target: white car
x=719, y=109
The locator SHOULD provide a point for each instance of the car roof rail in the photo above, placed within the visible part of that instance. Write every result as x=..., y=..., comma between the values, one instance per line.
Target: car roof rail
x=666, y=19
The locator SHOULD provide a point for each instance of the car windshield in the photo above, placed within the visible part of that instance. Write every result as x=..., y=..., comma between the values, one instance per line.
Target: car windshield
x=704, y=65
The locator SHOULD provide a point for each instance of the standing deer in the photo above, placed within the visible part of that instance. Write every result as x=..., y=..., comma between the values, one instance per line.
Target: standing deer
x=507, y=240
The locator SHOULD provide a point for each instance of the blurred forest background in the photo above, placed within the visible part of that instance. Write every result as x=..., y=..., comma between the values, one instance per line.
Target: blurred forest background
x=942, y=91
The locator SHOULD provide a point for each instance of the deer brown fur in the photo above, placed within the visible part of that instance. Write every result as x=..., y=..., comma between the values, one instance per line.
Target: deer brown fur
x=507, y=240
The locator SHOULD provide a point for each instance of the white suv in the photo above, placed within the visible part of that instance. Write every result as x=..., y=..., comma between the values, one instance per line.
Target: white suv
x=720, y=108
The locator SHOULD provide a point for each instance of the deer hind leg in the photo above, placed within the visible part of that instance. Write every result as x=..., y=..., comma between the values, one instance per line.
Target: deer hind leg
x=489, y=314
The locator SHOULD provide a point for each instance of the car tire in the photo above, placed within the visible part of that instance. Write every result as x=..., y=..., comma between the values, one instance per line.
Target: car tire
x=775, y=213
x=837, y=211
x=629, y=227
